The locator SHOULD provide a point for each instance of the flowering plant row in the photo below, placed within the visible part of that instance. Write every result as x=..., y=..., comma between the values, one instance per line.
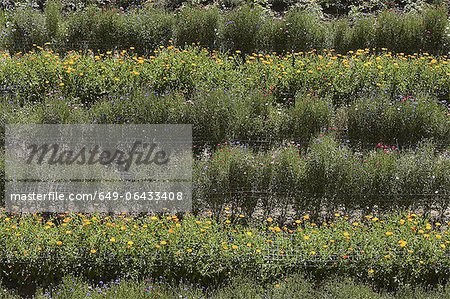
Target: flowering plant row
x=387, y=250
x=267, y=98
x=94, y=76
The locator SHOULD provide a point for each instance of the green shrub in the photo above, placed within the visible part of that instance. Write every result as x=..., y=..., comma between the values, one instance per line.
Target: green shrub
x=435, y=22
x=53, y=20
x=405, y=122
x=197, y=25
x=307, y=118
x=240, y=29
x=362, y=33
x=215, y=128
x=342, y=35
x=25, y=29
x=412, y=32
x=273, y=36
x=93, y=29
x=146, y=30
x=305, y=31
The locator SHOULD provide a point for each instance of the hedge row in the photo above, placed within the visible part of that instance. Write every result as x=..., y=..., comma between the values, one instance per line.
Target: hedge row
x=388, y=251
x=320, y=179
x=292, y=286
x=246, y=29
x=335, y=7
x=254, y=119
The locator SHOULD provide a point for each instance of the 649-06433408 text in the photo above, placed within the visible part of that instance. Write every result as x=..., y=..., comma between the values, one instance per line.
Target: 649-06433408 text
x=100, y=196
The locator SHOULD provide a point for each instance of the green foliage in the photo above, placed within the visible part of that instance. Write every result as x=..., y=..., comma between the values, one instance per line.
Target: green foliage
x=327, y=176
x=405, y=121
x=305, y=31
x=247, y=29
x=291, y=286
x=240, y=29
x=270, y=99
x=146, y=30
x=93, y=29
x=196, y=25
x=25, y=28
x=388, y=251
x=53, y=19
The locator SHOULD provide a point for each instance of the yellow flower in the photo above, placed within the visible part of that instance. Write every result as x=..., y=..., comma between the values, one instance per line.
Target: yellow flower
x=306, y=217
x=61, y=84
x=234, y=247
x=112, y=239
x=313, y=253
x=249, y=233
x=189, y=250
x=130, y=243
x=371, y=271
x=389, y=233
x=249, y=244
x=402, y=243
x=163, y=242
x=269, y=219
x=306, y=237
x=59, y=243
x=93, y=251
x=443, y=246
